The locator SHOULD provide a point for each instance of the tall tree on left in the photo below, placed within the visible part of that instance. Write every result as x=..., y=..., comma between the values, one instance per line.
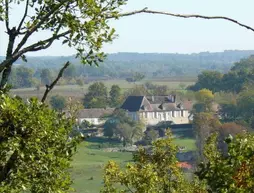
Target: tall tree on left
x=35, y=147
x=78, y=23
x=37, y=143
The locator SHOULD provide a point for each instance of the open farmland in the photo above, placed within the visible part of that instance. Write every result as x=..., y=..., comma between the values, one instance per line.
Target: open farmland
x=77, y=91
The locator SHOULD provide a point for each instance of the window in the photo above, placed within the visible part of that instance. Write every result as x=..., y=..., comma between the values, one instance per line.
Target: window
x=173, y=114
x=182, y=113
x=165, y=116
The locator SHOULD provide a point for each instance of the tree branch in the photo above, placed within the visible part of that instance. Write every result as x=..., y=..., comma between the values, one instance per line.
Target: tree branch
x=51, y=86
x=24, y=17
x=146, y=10
x=60, y=74
x=38, y=25
x=34, y=47
x=7, y=15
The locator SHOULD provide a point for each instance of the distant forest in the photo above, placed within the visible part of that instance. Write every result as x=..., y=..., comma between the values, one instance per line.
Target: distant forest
x=153, y=65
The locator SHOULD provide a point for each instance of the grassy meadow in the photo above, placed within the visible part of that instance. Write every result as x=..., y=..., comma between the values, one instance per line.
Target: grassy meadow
x=89, y=162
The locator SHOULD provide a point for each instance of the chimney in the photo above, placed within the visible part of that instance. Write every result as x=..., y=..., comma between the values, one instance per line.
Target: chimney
x=174, y=98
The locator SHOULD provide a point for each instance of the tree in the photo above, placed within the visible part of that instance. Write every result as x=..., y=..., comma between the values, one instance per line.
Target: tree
x=233, y=172
x=226, y=130
x=137, y=90
x=46, y=76
x=115, y=96
x=205, y=97
x=35, y=147
x=22, y=77
x=58, y=102
x=208, y=80
x=138, y=77
x=204, y=124
x=79, y=24
x=150, y=136
x=151, y=171
x=120, y=125
x=80, y=82
x=70, y=72
x=245, y=104
x=97, y=96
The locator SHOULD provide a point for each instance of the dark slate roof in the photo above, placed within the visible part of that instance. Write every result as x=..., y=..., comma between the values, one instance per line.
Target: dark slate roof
x=133, y=103
x=165, y=107
x=149, y=103
x=95, y=113
x=161, y=99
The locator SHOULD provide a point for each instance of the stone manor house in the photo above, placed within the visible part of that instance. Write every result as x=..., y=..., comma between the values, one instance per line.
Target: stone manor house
x=155, y=109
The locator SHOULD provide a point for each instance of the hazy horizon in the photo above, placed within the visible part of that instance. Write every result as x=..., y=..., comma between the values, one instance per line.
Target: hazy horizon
x=191, y=53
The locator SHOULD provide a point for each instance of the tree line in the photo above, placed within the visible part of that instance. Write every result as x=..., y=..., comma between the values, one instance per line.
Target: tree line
x=153, y=65
x=234, y=90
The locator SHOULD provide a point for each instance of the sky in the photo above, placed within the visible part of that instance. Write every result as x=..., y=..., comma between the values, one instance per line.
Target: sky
x=146, y=33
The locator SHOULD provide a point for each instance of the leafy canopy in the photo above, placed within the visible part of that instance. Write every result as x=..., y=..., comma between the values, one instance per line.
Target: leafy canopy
x=35, y=147
x=152, y=171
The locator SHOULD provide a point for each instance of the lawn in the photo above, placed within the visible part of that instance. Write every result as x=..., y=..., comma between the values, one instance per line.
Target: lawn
x=188, y=143
x=88, y=163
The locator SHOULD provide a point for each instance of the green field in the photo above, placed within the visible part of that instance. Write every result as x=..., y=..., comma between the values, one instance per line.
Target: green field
x=76, y=91
x=88, y=163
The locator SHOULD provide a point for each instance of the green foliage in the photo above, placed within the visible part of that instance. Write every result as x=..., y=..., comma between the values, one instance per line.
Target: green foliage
x=137, y=90
x=58, y=102
x=208, y=79
x=154, y=89
x=85, y=124
x=204, y=124
x=122, y=65
x=236, y=80
x=136, y=77
x=115, y=96
x=46, y=76
x=150, y=136
x=153, y=171
x=233, y=173
x=22, y=77
x=97, y=96
x=205, y=97
x=35, y=148
x=245, y=104
x=120, y=125
x=70, y=72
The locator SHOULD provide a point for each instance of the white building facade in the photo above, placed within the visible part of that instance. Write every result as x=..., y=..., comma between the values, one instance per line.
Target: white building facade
x=156, y=109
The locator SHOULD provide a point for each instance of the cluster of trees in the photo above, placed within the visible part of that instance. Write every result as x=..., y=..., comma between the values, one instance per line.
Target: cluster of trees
x=24, y=77
x=97, y=96
x=236, y=80
x=233, y=91
x=122, y=65
x=121, y=126
x=35, y=147
x=157, y=170
x=135, y=77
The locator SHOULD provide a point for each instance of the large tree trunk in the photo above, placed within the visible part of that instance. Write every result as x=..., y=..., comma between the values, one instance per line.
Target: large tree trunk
x=7, y=68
